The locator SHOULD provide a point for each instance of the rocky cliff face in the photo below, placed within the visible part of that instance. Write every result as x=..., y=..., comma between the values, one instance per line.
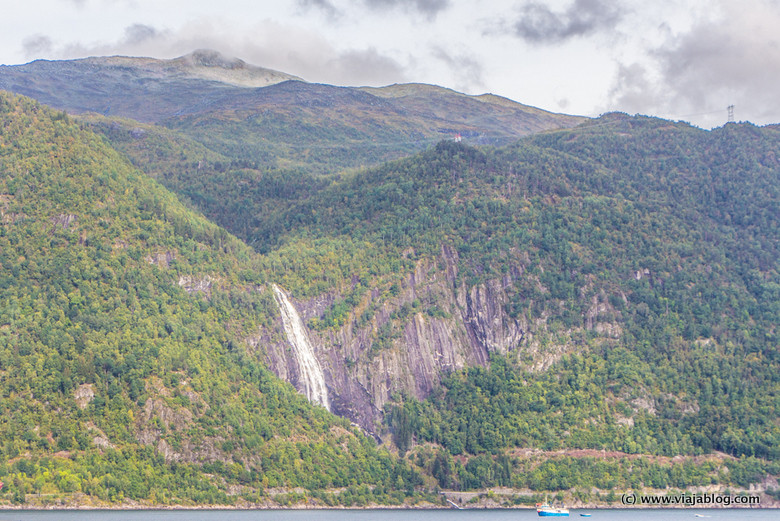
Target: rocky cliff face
x=434, y=325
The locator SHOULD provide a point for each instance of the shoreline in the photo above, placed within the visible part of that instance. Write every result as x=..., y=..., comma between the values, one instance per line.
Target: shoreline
x=498, y=498
x=217, y=508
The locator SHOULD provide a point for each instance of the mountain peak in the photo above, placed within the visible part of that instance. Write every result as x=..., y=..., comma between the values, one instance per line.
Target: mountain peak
x=209, y=64
x=212, y=58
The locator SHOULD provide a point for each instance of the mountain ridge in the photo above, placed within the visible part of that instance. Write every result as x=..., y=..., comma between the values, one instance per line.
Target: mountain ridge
x=288, y=122
x=205, y=64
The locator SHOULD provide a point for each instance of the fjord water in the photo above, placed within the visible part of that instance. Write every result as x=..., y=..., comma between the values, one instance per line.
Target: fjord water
x=384, y=515
x=311, y=373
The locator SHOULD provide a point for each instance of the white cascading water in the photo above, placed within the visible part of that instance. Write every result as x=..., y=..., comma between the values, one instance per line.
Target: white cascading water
x=309, y=368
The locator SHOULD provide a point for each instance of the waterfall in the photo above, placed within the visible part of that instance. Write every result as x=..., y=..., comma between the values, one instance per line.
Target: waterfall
x=309, y=368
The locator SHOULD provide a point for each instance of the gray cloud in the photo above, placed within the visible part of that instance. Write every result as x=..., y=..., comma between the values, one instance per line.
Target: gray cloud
x=38, y=45
x=538, y=23
x=139, y=33
x=295, y=50
x=136, y=40
x=325, y=6
x=634, y=90
x=732, y=59
x=364, y=67
x=466, y=69
x=428, y=7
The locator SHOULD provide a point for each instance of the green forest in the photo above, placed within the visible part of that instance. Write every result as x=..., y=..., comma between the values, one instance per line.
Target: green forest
x=137, y=261
x=102, y=347
x=672, y=228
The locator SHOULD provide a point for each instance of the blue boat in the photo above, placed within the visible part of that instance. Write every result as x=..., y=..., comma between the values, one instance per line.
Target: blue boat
x=545, y=510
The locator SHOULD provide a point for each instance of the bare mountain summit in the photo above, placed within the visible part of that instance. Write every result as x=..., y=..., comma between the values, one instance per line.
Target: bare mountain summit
x=203, y=64
x=144, y=89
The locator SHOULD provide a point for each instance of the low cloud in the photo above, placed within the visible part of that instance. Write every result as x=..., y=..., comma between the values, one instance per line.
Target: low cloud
x=136, y=40
x=732, y=59
x=139, y=33
x=364, y=67
x=539, y=24
x=325, y=6
x=635, y=91
x=313, y=57
x=38, y=45
x=429, y=8
x=286, y=48
x=466, y=69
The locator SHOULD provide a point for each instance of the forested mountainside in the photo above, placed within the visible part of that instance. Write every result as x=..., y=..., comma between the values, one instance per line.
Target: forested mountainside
x=652, y=249
x=595, y=306
x=270, y=119
x=609, y=287
x=126, y=374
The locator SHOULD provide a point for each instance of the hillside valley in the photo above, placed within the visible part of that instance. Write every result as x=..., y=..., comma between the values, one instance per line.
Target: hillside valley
x=125, y=375
x=553, y=305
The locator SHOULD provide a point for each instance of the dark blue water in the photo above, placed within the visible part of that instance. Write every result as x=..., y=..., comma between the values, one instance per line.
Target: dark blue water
x=732, y=514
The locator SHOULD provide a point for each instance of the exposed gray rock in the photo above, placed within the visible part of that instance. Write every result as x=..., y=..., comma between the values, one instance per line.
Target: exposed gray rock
x=434, y=325
x=162, y=259
x=362, y=374
x=64, y=221
x=84, y=394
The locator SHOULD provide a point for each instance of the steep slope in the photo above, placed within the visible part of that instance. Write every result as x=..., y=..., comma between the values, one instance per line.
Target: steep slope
x=241, y=195
x=628, y=234
x=127, y=370
x=667, y=236
x=644, y=250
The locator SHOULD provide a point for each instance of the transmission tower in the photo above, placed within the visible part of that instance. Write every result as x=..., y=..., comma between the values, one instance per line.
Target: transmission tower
x=730, y=108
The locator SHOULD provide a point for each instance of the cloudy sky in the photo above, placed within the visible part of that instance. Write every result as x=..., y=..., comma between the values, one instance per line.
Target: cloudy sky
x=678, y=59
